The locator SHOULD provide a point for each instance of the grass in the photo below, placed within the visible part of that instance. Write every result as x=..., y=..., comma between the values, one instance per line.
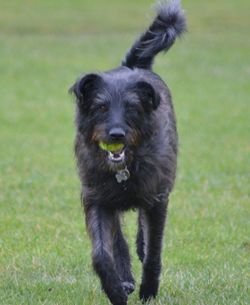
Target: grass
x=44, y=250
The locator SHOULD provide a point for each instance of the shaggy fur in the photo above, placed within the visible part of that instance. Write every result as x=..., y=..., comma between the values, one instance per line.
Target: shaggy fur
x=129, y=105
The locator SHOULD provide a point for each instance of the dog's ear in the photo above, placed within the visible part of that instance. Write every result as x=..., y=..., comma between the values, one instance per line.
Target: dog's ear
x=84, y=88
x=149, y=97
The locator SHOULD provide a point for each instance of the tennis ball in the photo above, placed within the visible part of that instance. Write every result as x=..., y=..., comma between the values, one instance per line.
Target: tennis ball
x=111, y=147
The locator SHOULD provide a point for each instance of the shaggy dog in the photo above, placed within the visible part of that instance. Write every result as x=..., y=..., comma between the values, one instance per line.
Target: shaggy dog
x=126, y=150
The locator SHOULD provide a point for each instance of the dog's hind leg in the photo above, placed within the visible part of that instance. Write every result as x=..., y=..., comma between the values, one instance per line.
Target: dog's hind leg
x=122, y=259
x=153, y=222
x=140, y=239
x=101, y=227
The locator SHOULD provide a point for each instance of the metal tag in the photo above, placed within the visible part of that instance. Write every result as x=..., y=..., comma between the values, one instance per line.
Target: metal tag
x=122, y=175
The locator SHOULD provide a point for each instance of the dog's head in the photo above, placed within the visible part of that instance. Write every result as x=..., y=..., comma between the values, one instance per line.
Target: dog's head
x=114, y=114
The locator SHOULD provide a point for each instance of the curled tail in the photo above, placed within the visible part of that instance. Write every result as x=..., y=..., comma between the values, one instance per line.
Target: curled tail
x=169, y=23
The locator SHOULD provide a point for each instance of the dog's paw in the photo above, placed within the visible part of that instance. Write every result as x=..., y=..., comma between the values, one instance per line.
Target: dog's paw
x=117, y=295
x=148, y=291
x=128, y=287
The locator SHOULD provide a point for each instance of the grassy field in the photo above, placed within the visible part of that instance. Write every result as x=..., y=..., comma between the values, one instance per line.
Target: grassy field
x=44, y=249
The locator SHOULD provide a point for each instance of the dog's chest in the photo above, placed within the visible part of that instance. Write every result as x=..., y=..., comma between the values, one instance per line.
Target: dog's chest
x=123, y=195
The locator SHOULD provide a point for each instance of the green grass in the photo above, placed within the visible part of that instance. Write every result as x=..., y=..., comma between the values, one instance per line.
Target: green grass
x=44, y=249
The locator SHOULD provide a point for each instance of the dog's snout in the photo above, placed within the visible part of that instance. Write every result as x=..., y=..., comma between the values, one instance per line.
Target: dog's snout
x=117, y=133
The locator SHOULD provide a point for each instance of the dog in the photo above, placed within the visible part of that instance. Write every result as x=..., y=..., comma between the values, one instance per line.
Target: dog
x=126, y=150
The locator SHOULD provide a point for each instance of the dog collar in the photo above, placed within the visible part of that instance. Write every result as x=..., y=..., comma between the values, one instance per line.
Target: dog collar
x=122, y=175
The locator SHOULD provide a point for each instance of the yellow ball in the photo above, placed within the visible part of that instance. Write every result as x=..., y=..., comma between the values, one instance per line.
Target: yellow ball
x=111, y=147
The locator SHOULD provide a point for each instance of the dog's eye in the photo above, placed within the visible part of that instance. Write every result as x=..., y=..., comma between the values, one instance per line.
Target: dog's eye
x=103, y=108
x=132, y=108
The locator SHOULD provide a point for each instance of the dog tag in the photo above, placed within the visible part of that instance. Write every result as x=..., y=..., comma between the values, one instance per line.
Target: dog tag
x=122, y=175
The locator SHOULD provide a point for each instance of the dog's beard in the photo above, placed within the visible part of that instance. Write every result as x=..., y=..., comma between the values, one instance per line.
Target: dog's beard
x=116, y=161
x=113, y=155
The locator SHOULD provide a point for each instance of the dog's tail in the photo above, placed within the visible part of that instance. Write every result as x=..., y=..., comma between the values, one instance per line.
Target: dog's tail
x=169, y=23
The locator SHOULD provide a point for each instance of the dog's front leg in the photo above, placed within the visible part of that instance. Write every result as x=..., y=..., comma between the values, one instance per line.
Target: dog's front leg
x=122, y=259
x=153, y=229
x=101, y=227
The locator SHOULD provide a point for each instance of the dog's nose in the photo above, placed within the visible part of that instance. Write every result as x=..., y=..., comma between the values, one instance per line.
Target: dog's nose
x=117, y=133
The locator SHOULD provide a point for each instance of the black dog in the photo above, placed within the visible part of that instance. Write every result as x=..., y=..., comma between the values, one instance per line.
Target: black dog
x=126, y=149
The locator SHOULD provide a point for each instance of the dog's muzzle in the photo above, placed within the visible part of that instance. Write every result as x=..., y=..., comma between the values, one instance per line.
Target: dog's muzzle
x=115, y=154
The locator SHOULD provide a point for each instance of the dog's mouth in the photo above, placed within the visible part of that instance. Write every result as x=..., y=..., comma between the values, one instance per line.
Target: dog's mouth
x=116, y=151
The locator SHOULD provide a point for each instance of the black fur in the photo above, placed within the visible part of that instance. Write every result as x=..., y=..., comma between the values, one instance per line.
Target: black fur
x=129, y=105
